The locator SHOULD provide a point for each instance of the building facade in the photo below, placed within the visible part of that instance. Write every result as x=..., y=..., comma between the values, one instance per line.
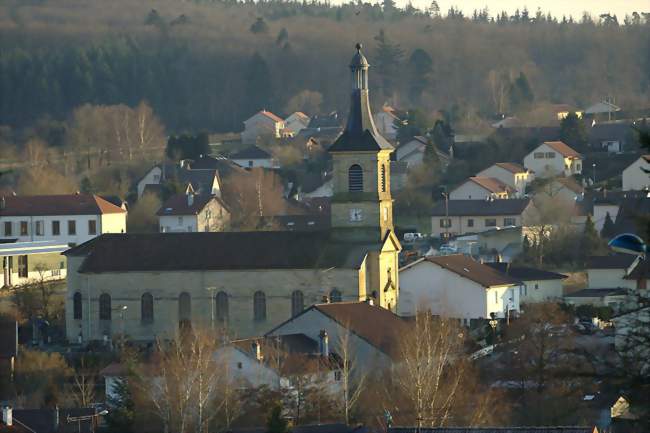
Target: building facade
x=553, y=158
x=634, y=176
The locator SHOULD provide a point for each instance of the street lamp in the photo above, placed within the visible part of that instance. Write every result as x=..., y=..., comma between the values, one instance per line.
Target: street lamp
x=445, y=194
x=90, y=418
x=493, y=324
x=593, y=166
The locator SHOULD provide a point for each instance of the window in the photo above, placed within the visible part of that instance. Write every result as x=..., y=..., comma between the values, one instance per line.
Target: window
x=470, y=222
x=578, y=167
x=39, y=228
x=184, y=310
x=259, y=306
x=355, y=178
x=337, y=375
x=509, y=221
x=23, y=228
x=490, y=222
x=239, y=365
x=297, y=302
x=92, y=227
x=250, y=164
x=180, y=221
x=146, y=308
x=72, y=227
x=22, y=267
x=77, y=311
x=104, y=306
x=538, y=155
x=8, y=231
x=56, y=228
x=156, y=177
x=335, y=295
x=222, y=306
x=445, y=223
x=383, y=178
x=550, y=155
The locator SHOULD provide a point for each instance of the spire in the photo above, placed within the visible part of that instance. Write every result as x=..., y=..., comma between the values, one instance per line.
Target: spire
x=360, y=132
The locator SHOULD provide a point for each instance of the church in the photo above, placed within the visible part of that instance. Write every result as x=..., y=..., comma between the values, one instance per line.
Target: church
x=146, y=286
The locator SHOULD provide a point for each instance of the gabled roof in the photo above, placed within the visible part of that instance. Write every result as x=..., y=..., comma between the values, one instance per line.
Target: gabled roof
x=178, y=204
x=617, y=261
x=525, y=273
x=602, y=107
x=270, y=116
x=563, y=149
x=571, y=184
x=469, y=268
x=64, y=204
x=490, y=184
x=252, y=152
x=160, y=252
x=481, y=207
x=512, y=167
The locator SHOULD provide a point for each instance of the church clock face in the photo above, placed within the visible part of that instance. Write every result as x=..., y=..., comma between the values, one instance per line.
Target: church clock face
x=356, y=215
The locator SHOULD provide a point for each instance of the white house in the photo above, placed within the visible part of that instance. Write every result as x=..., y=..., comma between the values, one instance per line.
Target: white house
x=566, y=189
x=456, y=286
x=553, y=158
x=385, y=122
x=70, y=219
x=538, y=285
x=412, y=152
x=510, y=173
x=611, y=271
x=25, y=262
x=262, y=124
x=373, y=333
x=253, y=157
x=602, y=108
x=634, y=178
x=481, y=188
x=296, y=122
x=192, y=212
x=203, y=180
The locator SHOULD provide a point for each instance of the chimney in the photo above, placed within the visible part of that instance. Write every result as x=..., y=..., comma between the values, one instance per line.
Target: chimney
x=324, y=343
x=257, y=350
x=56, y=418
x=7, y=415
x=326, y=299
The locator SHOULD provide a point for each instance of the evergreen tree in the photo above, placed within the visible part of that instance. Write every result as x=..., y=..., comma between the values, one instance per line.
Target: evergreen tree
x=434, y=9
x=283, y=37
x=573, y=131
x=414, y=124
x=442, y=135
x=275, y=423
x=420, y=67
x=259, y=26
x=122, y=408
x=590, y=242
x=388, y=58
x=259, y=87
x=608, y=230
x=521, y=94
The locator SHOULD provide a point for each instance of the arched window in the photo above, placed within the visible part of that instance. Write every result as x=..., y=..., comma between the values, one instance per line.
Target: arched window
x=77, y=306
x=104, y=306
x=297, y=302
x=184, y=310
x=355, y=178
x=221, y=302
x=383, y=178
x=146, y=308
x=335, y=295
x=259, y=306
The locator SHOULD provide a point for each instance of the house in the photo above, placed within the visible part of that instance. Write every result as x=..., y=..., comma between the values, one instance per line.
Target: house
x=546, y=429
x=254, y=156
x=538, y=285
x=457, y=286
x=28, y=262
x=602, y=109
x=192, y=212
x=610, y=137
x=637, y=175
x=250, y=281
x=70, y=219
x=205, y=175
x=412, y=152
x=553, y=158
x=611, y=271
x=458, y=217
x=77, y=420
x=566, y=189
x=481, y=188
x=633, y=210
x=561, y=111
x=372, y=333
x=511, y=174
x=297, y=121
x=385, y=120
x=498, y=244
x=262, y=124
x=614, y=297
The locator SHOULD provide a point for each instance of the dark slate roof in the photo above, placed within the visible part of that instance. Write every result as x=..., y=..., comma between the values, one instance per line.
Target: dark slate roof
x=469, y=268
x=218, y=251
x=482, y=207
x=252, y=152
x=201, y=180
x=289, y=343
x=550, y=429
x=524, y=273
x=224, y=166
x=64, y=204
x=178, y=204
x=616, y=261
x=596, y=293
x=640, y=271
x=320, y=428
x=632, y=215
x=609, y=132
x=330, y=120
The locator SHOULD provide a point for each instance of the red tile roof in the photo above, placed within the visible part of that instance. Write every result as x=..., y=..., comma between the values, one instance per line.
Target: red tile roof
x=491, y=184
x=471, y=269
x=69, y=204
x=511, y=167
x=563, y=149
x=271, y=116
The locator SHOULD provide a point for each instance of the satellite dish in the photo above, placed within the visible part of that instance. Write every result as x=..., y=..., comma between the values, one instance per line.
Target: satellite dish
x=628, y=243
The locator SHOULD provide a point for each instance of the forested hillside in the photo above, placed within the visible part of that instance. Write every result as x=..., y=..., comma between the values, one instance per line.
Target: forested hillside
x=209, y=65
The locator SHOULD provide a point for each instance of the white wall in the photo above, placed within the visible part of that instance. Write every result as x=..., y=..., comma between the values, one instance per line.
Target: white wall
x=411, y=152
x=469, y=191
x=634, y=178
x=151, y=178
x=608, y=279
x=541, y=290
x=600, y=213
x=177, y=223
x=551, y=163
x=385, y=123
x=259, y=125
x=461, y=224
x=517, y=181
x=256, y=162
x=245, y=370
x=426, y=285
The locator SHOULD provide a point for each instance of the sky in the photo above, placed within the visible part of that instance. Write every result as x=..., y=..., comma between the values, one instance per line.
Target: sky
x=556, y=7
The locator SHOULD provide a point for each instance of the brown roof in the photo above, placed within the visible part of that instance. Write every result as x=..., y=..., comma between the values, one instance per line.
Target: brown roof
x=563, y=149
x=511, y=167
x=271, y=116
x=68, y=204
x=491, y=184
x=178, y=204
x=471, y=269
x=571, y=184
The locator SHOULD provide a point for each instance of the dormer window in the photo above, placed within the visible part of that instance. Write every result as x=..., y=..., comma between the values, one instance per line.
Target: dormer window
x=355, y=178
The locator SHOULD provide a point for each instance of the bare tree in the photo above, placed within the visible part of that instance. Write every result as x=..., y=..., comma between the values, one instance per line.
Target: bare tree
x=83, y=388
x=353, y=376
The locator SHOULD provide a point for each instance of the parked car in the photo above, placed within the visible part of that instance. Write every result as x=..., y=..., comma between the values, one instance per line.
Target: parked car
x=412, y=237
x=447, y=249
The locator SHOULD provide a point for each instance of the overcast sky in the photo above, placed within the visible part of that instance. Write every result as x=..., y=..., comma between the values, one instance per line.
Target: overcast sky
x=556, y=7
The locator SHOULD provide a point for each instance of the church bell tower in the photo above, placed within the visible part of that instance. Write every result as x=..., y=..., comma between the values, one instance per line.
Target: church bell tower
x=362, y=206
